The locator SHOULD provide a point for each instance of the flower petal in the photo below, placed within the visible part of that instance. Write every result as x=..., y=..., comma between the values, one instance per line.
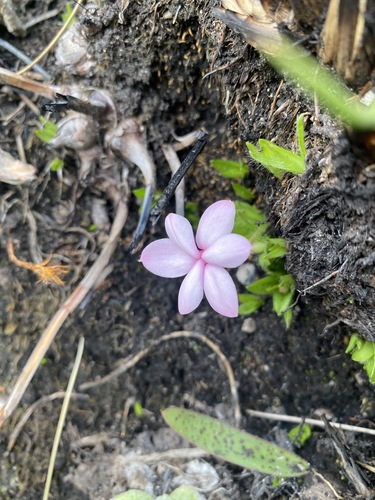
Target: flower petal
x=220, y=291
x=191, y=291
x=230, y=250
x=165, y=259
x=216, y=221
x=181, y=233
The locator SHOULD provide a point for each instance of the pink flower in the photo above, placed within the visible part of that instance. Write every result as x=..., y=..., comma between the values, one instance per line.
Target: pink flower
x=202, y=259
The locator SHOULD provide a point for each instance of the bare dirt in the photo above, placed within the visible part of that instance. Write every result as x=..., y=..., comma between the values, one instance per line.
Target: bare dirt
x=154, y=58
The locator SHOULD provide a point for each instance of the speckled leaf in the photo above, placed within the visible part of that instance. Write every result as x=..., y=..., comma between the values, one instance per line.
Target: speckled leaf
x=233, y=445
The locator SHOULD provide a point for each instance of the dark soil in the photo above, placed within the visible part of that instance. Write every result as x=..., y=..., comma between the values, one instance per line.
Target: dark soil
x=152, y=60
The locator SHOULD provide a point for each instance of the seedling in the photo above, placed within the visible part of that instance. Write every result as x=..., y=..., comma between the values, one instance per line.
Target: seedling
x=363, y=351
x=278, y=160
x=300, y=434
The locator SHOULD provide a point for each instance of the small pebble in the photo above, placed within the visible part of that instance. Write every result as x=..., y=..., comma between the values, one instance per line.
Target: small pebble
x=246, y=273
x=249, y=326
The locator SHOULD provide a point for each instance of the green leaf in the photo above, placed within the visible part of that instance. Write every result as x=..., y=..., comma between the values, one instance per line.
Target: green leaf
x=48, y=130
x=301, y=135
x=138, y=410
x=133, y=495
x=233, y=445
x=258, y=156
x=288, y=317
x=300, y=434
x=56, y=164
x=370, y=370
x=230, y=169
x=276, y=159
x=363, y=351
x=243, y=192
x=282, y=301
x=264, y=286
x=249, y=212
x=249, y=221
x=355, y=342
x=249, y=303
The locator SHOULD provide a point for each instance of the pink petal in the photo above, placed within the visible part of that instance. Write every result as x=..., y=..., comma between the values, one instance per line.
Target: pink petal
x=216, y=221
x=191, y=291
x=230, y=250
x=220, y=291
x=165, y=259
x=181, y=233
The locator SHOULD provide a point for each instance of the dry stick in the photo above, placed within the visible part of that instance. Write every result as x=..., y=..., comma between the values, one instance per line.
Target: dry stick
x=62, y=418
x=61, y=315
x=129, y=363
x=169, y=151
x=309, y=421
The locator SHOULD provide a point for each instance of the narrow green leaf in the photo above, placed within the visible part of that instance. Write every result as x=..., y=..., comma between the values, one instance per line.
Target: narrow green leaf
x=249, y=303
x=258, y=156
x=301, y=134
x=56, y=164
x=370, y=370
x=233, y=445
x=281, y=301
x=265, y=285
x=281, y=158
x=354, y=342
x=288, y=317
x=230, y=169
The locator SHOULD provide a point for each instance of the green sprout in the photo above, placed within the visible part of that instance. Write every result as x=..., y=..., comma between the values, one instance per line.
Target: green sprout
x=300, y=434
x=363, y=351
x=233, y=445
x=230, y=169
x=138, y=410
x=48, y=130
x=66, y=14
x=278, y=160
x=56, y=164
